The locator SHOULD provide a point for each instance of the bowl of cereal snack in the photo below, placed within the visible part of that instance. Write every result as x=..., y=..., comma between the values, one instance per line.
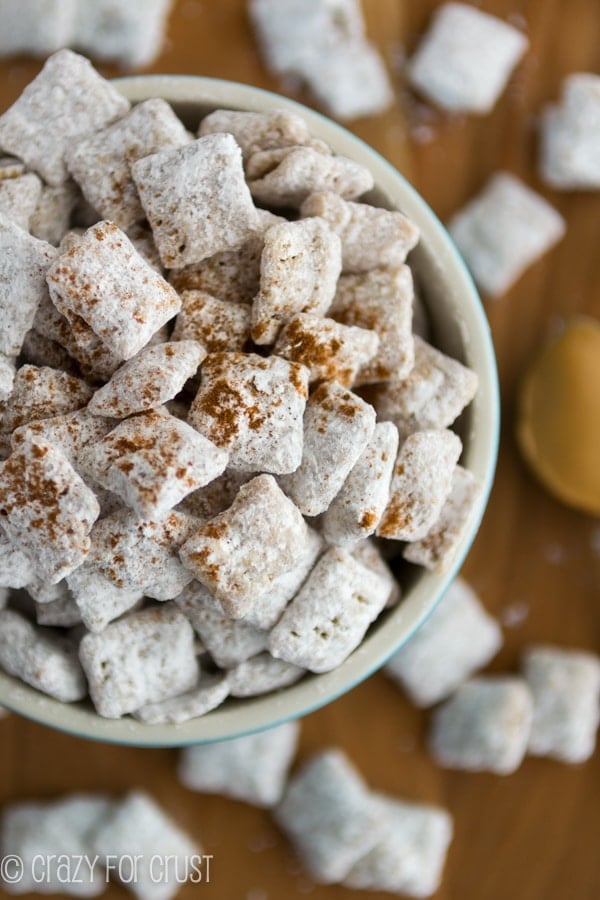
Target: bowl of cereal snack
x=249, y=407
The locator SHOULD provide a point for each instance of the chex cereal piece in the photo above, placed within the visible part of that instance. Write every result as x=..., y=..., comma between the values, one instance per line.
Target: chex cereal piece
x=216, y=497
x=48, y=511
x=25, y=261
x=355, y=512
x=196, y=199
x=303, y=171
x=19, y=198
x=327, y=348
x=10, y=167
x=299, y=268
x=104, y=281
x=40, y=393
x=329, y=815
x=7, y=376
x=329, y=616
x=229, y=641
x=143, y=658
x=368, y=554
x=253, y=768
x=39, y=658
x=16, y=569
x=123, y=33
x=382, y=300
x=565, y=685
x=219, y=325
x=431, y=395
x=33, y=832
x=438, y=548
x=570, y=136
x=231, y=275
x=217, y=553
x=62, y=612
x=484, y=726
x=100, y=162
x=256, y=131
x=421, y=483
x=210, y=692
x=98, y=600
x=503, y=230
x=70, y=432
x=409, y=857
x=371, y=237
x=36, y=28
x=337, y=428
x=262, y=674
x=138, y=832
x=156, y=374
x=268, y=607
x=66, y=100
x=457, y=639
x=465, y=59
x=140, y=554
x=252, y=407
x=52, y=216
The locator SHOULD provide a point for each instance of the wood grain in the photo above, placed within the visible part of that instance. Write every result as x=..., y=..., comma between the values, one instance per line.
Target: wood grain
x=533, y=835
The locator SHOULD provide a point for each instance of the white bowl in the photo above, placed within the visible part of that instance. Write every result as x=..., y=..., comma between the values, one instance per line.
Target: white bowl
x=459, y=328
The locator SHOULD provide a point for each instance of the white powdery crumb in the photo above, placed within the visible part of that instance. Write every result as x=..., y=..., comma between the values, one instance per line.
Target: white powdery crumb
x=514, y=615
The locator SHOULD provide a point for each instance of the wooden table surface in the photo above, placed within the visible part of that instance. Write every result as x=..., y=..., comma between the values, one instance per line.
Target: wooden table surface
x=533, y=835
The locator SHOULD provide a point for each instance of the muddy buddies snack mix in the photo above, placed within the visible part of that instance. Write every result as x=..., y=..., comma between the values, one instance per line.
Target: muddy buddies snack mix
x=207, y=411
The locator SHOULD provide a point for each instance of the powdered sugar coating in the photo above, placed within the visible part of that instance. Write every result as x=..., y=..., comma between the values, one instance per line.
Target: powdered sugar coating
x=255, y=131
x=52, y=215
x=570, y=135
x=218, y=325
x=40, y=392
x=7, y=376
x=98, y=600
x=262, y=674
x=129, y=35
x=210, y=692
x=19, y=198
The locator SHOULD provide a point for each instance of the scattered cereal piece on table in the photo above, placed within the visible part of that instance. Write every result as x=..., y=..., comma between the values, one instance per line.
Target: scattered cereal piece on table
x=262, y=674
x=570, y=136
x=36, y=28
x=125, y=33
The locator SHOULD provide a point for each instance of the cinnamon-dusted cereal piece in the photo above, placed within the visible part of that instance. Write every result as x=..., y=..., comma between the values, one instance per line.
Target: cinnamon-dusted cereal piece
x=570, y=135
x=371, y=237
x=209, y=693
x=256, y=131
x=7, y=376
x=409, y=857
x=19, y=198
x=252, y=407
x=355, y=512
x=229, y=641
x=140, y=554
x=16, y=569
x=40, y=393
x=218, y=554
x=219, y=325
x=23, y=266
x=124, y=33
x=62, y=612
x=421, y=483
x=328, y=813
x=253, y=768
x=52, y=216
x=565, y=685
x=156, y=374
x=303, y=171
x=40, y=658
x=381, y=300
x=457, y=639
x=66, y=100
x=103, y=280
x=70, y=432
x=48, y=511
x=100, y=162
x=299, y=268
x=438, y=548
x=484, y=726
x=196, y=199
x=262, y=674
x=329, y=616
x=98, y=600
x=337, y=428
x=143, y=658
x=328, y=349
x=432, y=395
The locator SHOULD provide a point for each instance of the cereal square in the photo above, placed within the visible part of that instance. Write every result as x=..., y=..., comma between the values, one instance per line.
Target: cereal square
x=252, y=768
x=240, y=552
x=255, y=131
x=124, y=33
x=252, y=407
x=40, y=392
x=52, y=216
x=484, y=726
x=196, y=199
x=70, y=432
x=503, y=230
x=36, y=28
x=570, y=136
x=67, y=100
x=210, y=692
x=457, y=639
x=98, y=600
x=104, y=281
x=262, y=674
x=220, y=326
x=19, y=198
x=465, y=59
